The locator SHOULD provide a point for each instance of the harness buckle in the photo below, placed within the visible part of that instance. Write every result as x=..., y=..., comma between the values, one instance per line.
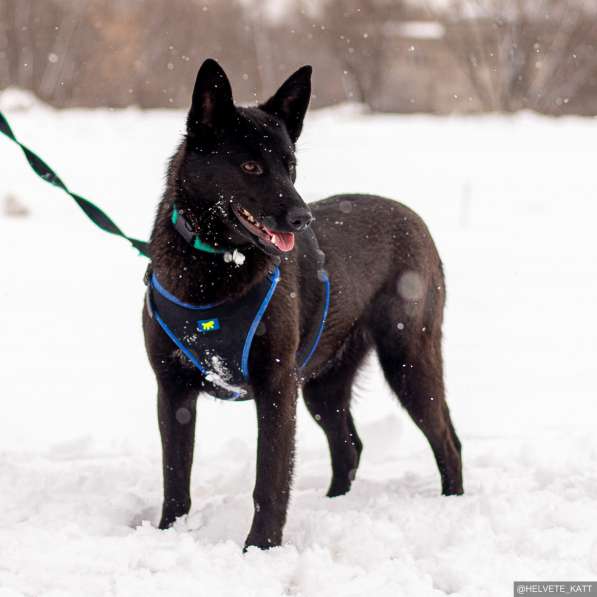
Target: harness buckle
x=147, y=274
x=183, y=227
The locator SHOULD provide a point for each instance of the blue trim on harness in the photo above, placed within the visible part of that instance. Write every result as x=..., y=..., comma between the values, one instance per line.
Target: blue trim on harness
x=156, y=284
x=187, y=353
x=326, y=281
x=244, y=368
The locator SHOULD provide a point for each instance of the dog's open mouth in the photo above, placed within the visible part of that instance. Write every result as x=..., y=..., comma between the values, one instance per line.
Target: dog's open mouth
x=282, y=241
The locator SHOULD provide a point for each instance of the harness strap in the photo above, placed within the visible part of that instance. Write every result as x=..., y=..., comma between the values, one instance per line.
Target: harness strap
x=307, y=351
x=244, y=366
x=322, y=274
x=94, y=213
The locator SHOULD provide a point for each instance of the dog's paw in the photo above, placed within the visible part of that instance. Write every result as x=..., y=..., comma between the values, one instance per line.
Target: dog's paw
x=261, y=543
x=165, y=523
x=341, y=486
x=338, y=490
x=169, y=518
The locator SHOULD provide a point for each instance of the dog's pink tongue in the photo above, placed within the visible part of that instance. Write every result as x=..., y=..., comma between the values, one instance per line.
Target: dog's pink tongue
x=283, y=240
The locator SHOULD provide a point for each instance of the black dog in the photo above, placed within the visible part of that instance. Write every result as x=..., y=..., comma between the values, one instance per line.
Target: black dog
x=230, y=183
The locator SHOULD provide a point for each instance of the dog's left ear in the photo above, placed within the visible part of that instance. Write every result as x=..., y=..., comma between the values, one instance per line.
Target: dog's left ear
x=212, y=103
x=290, y=102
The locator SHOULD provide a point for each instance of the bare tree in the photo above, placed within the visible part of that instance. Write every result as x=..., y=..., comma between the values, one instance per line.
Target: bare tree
x=510, y=54
x=118, y=52
x=356, y=37
x=523, y=54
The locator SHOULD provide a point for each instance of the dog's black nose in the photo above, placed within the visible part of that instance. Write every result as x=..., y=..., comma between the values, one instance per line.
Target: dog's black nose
x=299, y=218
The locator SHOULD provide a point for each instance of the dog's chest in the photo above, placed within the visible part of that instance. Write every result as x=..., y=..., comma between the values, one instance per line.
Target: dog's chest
x=215, y=339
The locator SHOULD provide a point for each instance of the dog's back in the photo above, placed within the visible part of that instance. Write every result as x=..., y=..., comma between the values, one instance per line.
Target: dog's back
x=383, y=267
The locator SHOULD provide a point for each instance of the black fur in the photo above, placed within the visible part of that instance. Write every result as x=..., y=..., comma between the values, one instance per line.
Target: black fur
x=387, y=293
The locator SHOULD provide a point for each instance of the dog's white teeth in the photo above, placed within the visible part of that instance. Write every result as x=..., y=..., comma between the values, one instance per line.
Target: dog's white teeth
x=250, y=218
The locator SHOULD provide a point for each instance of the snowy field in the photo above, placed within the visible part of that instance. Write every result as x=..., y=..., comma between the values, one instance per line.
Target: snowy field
x=511, y=205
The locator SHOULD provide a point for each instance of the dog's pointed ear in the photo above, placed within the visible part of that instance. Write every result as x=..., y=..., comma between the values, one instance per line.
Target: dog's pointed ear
x=291, y=101
x=212, y=99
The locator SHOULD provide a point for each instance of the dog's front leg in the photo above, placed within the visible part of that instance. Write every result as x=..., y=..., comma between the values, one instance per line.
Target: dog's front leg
x=176, y=415
x=276, y=419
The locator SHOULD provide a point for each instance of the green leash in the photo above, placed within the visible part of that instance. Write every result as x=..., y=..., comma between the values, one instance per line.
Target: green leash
x=94, y=213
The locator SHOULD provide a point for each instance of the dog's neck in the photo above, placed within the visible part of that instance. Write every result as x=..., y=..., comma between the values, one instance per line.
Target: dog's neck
x=199, y=277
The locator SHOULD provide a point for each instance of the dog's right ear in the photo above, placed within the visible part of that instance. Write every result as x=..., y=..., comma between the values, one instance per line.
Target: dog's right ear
x=290, y=102
x=212, y=100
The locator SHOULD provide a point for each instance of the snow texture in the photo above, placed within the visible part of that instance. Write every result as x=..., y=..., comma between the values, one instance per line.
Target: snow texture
x=511, y=204
x=220, y=376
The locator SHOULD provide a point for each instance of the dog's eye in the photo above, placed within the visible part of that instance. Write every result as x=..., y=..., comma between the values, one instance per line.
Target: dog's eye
x=251, y=168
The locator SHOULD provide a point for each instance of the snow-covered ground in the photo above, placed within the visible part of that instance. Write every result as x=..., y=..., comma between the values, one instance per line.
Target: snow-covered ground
x=511, y=204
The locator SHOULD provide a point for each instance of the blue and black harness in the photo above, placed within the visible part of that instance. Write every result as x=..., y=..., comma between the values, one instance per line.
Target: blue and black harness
x=217, y=338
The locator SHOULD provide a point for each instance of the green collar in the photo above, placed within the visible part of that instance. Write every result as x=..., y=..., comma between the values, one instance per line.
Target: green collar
x=183, y=227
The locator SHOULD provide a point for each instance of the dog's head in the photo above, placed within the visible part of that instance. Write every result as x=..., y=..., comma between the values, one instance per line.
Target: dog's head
x=235, y=178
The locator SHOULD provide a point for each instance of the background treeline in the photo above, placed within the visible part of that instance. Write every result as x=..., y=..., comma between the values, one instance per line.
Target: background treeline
x=392, y=55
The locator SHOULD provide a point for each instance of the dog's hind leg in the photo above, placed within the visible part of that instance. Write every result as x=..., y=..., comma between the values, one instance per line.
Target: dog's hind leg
x=410, y=356
x=176, y=415
x=328, y=400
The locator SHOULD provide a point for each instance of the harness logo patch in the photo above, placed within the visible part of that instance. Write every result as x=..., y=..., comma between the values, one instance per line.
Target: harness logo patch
x=205, y=326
